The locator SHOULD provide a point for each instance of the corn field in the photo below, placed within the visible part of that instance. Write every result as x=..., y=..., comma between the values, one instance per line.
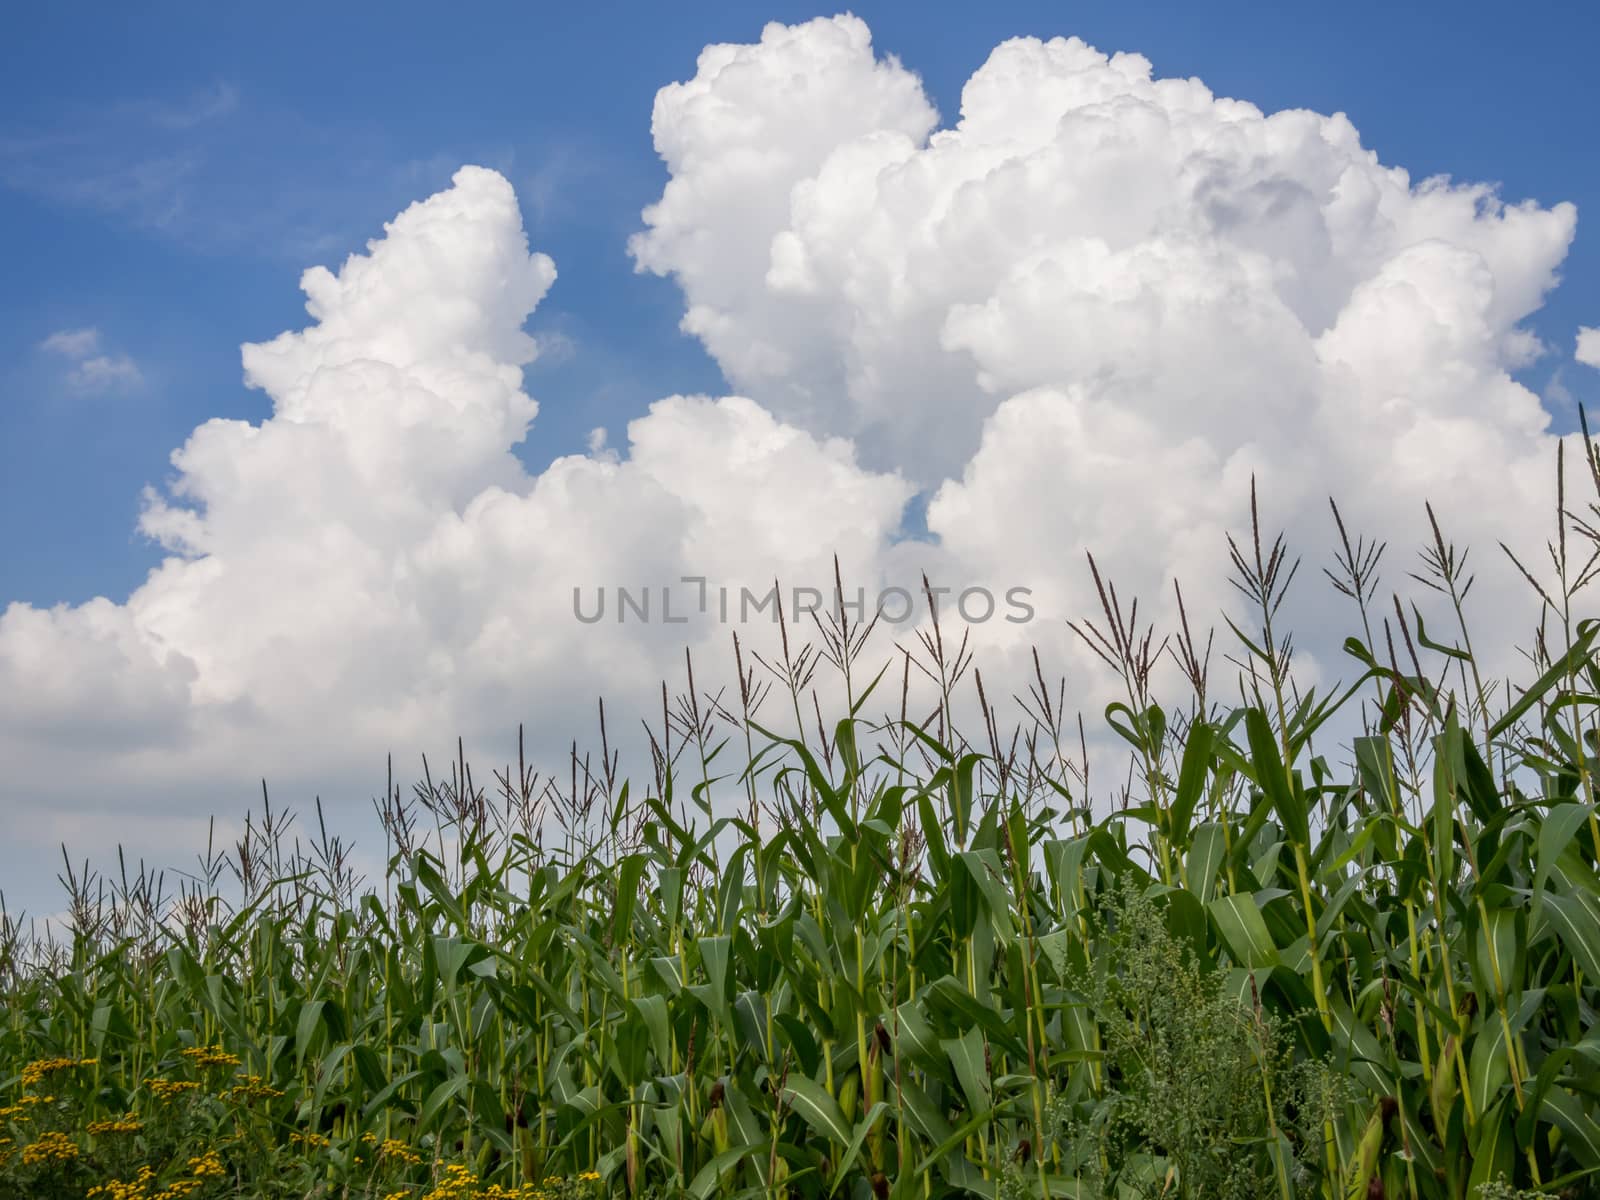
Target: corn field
x=874, y=956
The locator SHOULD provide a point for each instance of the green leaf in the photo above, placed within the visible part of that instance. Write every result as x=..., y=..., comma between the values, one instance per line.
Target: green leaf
x=629, y=872
x=652, y=1011
x=1244, y=931
x=707, y=1179
x=985, y=869
x=847, y=1160
x=1557, y=828
x=1575, y=916
x=819, y=1110
x=437, y=1100
x=1494, y=1150
x=1191, y=780
x=1273, y=779
x=1564, y=1110
x=1578, y=654
x=1205, y=859
x=967, y=1058
x=1487, y=1067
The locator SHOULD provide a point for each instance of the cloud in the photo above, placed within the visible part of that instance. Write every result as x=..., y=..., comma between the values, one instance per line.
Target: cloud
x=216, y=170
x=102, y=172
x=72, y=343
x=371, y=564
x=1557, y=395
x=105, y=373
x=1082, y=317
x=91, y=371
x=556, y=347
x=1083, y=222
x=1089, y=311
x=209, y=104
x=138, y=159
x=1588, y=351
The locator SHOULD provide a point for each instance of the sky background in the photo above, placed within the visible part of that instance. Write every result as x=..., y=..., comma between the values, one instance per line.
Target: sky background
x=890, y=287
x=167, y=172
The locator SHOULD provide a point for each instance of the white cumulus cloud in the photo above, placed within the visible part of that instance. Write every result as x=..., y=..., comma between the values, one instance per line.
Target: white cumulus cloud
x=1588, y=351
x=371, y=567
x=1086, y=313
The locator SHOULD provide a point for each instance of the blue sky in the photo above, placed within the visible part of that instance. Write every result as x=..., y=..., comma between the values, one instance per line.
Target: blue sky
x=167, y=171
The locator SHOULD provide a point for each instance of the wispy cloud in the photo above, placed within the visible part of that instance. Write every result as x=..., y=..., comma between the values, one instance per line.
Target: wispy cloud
x=113, y=171
x=1557, y=395
x=140, y=160
x=220, y=171
x=106, y=373
x=211, y=104
x=120, y=160
x=72, y=343
x=91, y=370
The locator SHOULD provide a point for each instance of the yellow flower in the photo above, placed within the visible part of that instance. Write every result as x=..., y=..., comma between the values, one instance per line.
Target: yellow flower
x=458, y=1184
x=207, y=1166
x=52, y=1147
x=210, y=1056
x=395, y=1148
x=165, y=1089
x=116, y=1189
x=253, y=1088
x=127, y=1124
x=35, y=1072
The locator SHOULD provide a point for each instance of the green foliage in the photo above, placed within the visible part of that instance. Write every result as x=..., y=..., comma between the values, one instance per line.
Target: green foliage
x=1193, y=1079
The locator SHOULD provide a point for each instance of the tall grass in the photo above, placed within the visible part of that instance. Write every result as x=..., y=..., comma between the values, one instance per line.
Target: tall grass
x=913, y=961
